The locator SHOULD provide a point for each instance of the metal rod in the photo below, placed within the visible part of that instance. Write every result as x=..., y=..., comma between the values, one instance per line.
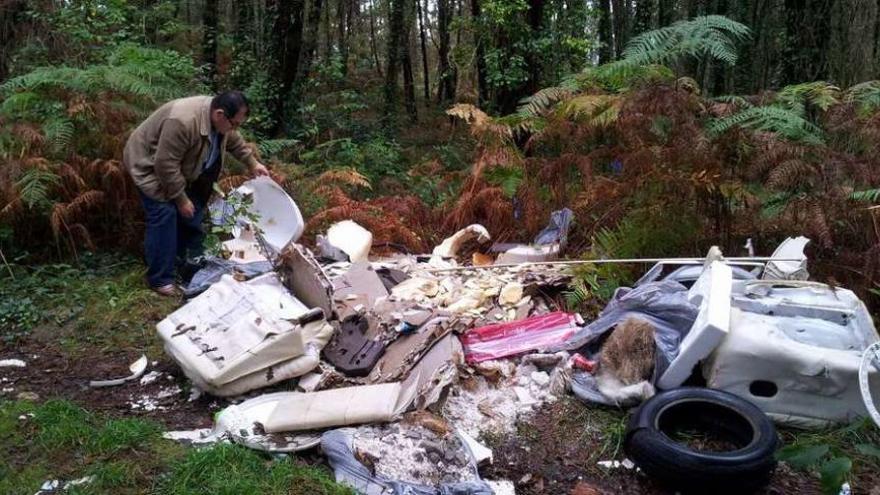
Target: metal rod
x=680, y=261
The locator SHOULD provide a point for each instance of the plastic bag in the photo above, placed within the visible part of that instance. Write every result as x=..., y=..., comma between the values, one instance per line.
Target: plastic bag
x=213, y=268
x=557, y=230
x=338, y=447
x=664, y=304
x=507, y=339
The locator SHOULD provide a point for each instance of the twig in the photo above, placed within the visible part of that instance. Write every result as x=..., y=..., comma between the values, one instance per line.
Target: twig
x=3, y=257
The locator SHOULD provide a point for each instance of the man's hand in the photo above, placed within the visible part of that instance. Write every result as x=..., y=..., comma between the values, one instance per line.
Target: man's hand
x=185, y=207
x=260, y=170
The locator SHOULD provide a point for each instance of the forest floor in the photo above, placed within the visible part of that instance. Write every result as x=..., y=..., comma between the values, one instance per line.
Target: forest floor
x=92, y=321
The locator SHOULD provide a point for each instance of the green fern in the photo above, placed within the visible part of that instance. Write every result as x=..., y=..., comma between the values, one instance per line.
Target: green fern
x=786, y=122
x=540, y=102
x=272, y=147
x=868, y=195
x=817, y=93
x=507, y=178
x=59, y=132
x=34, y=186
x=713, y=36
x=865, y=95
x=776, y=203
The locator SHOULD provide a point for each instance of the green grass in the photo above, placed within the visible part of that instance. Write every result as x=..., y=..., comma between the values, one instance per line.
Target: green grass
x=99, y=304
x=60, y=440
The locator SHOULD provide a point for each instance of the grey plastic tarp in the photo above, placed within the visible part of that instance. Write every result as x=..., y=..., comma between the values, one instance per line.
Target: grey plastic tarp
x=557, y=230
x=214, y=268
x=664, y=304
x=337, y=446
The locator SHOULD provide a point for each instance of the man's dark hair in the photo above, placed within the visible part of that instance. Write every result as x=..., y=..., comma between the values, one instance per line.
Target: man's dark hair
x=230, y=102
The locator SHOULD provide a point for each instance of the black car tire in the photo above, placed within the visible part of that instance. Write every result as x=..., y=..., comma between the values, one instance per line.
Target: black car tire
x=744, y=469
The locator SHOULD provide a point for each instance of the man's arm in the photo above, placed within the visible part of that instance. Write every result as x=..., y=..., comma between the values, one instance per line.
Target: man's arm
x=244, y=153
x=170, y=150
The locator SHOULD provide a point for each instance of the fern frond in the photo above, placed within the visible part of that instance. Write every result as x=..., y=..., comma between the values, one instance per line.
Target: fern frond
x=34, y=185
x=348, y=176
x=541, y=102
x=866, y=95
x=867, y=195
x=270, y=147
x=712, y=35
x=783, y=121
x=817, y=93
x=592, y=110
x=59, y=132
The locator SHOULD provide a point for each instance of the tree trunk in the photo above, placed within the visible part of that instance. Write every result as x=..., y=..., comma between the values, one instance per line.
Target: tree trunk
x=424, y=42
x=373, y=38
x=11, y=25
x=620, y=25
x=310, y=40
x=397, y=17
x=342, y=17
x=409, y=86
x=535, y=16
x=446, y=85
x=209, y=43
x=808, y=30
x=482, y=85
x=606, y=40
x=666, y=14
x=644, y=17
x=288, y=45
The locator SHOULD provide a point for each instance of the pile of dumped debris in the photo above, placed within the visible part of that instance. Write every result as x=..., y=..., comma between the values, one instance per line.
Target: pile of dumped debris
x=398, y=366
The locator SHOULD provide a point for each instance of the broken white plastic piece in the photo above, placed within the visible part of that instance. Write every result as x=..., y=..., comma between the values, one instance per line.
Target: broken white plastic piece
x=238, y=336
x=278, y=218
x=870, y=359
x=12, y=363
x=450, y=246
x=524, y=253
x=349, y=238
x=480, y=452
x=137, y=368
x=790, y=249
x=713, y=289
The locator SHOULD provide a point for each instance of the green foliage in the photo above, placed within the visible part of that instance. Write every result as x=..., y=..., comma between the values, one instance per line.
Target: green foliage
x=866, y=96
x=786, y=122
x=73, y=104
x=867, y=195
x=375, y=158
x=507, y=178
x=232, y=469
x=237, y=211
x=834, y=453
x=34, y=187
x=818, y=94
x=711, y=36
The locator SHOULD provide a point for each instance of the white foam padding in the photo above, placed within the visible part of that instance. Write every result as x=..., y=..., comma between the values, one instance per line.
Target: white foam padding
x=713, y=290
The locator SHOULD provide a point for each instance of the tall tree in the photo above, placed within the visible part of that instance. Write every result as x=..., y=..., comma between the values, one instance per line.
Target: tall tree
x=310, y=40
x=209, y=42
x=606, y=40
x=808, y=31
x=288, y=31
x=424, y=45
x=620, y=25
x=373, y=48
x=446, y=84
x=396, y=47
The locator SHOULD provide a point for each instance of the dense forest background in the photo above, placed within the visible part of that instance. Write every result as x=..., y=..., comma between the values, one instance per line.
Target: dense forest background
x=667, y=126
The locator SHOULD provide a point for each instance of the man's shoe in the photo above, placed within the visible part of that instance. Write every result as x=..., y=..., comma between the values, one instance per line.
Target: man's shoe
x=169, y=290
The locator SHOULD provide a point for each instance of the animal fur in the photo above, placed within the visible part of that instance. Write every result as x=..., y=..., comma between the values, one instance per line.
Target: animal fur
x=626, y=362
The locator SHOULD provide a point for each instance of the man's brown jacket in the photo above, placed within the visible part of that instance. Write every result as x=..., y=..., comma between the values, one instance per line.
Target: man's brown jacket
x=166, y=152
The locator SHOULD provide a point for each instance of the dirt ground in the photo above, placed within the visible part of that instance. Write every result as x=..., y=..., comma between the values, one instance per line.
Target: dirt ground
x=554, y=452
x=557, y=451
